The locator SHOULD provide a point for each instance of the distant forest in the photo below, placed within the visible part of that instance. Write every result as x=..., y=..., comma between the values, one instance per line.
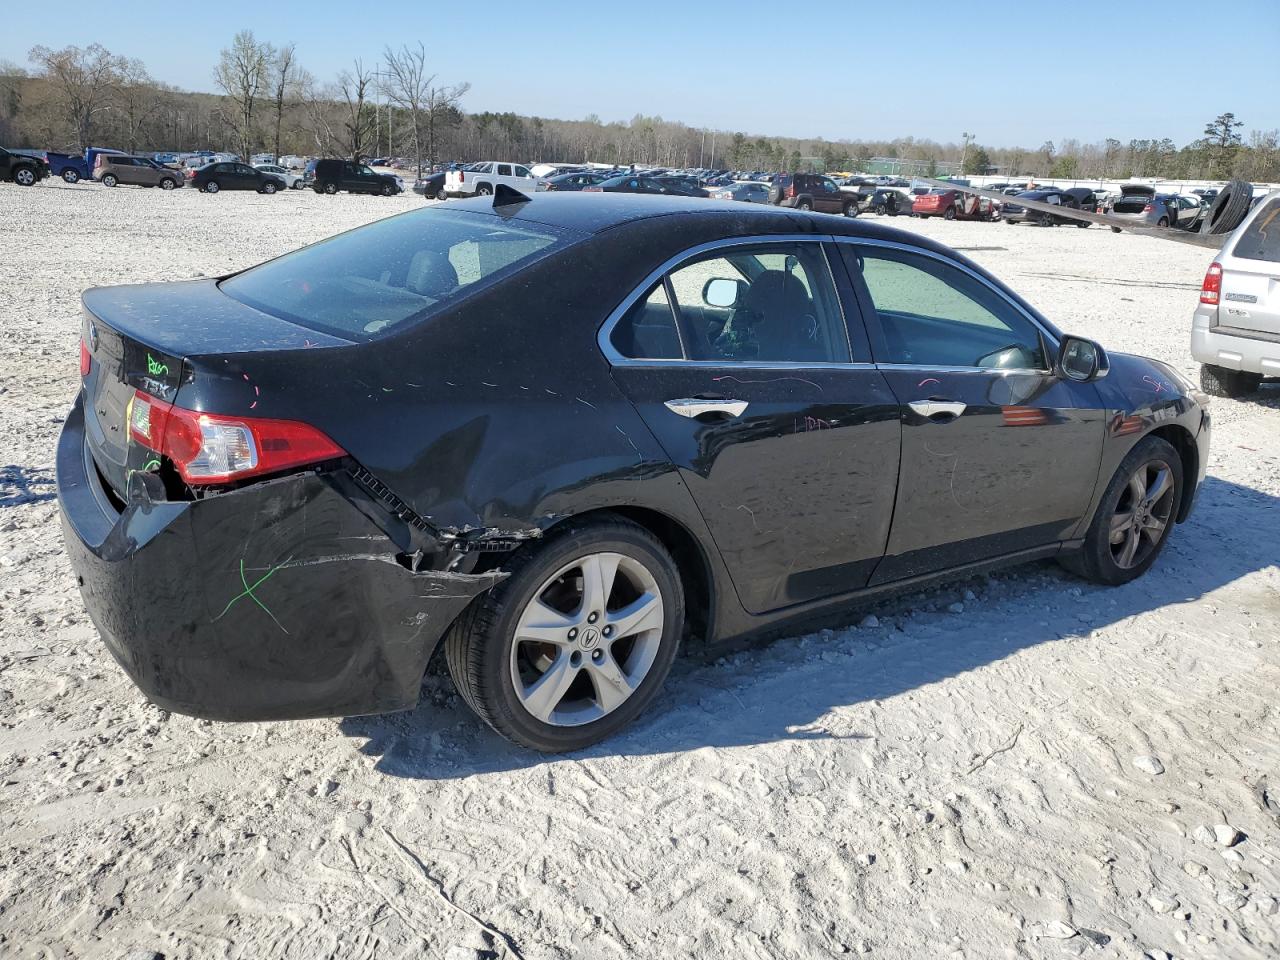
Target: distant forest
x=268, y=102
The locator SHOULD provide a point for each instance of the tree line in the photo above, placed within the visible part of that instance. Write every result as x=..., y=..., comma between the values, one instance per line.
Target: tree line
x=393, y=104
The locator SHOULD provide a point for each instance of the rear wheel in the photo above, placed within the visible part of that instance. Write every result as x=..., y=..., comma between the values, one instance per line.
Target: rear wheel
x=1115, y=229
x=109, y=180
x=1221, y=382
x=484, y=190
x=70, y=175
x=1134, y=517
x=850, y=209
x=211, y=187
x=950, y=214
x=1045, y=220
x=330, y=188
x=576, y=642
x=1083, y=224
x=441, y=195
x=804, y=205
x=1162, y=222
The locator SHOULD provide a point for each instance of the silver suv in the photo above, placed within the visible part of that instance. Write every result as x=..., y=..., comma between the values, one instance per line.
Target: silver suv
x=1235, y=333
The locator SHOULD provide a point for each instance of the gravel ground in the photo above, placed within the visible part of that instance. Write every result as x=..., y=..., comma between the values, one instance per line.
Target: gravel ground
x=1016, y=766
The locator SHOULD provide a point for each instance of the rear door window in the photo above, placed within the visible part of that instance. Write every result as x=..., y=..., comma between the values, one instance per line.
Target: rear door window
x=393, y=272
x=504, y=169
x=1261, y=239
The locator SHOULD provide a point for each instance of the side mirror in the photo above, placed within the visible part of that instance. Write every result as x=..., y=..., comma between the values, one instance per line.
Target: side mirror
x=721, y=292
x=1082, y=360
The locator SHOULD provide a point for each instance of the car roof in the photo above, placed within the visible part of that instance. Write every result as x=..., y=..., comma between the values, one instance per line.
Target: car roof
x=598, y=212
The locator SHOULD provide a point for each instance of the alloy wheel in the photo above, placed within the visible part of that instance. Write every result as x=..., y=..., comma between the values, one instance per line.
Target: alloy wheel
x=24, y=177
x=587, y=639
x=1142, y=514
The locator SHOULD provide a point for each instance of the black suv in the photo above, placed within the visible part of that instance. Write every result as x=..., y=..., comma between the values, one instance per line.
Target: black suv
x=809, y=191
x=22, y=169
x=334, y=175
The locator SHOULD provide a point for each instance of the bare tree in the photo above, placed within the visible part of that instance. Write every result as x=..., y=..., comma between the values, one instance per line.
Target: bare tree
x=407, y=86
x=137, y=99
x=83, y=80
x=358, y=118
x=443, y=112
x=284, y=69
x=242, y=74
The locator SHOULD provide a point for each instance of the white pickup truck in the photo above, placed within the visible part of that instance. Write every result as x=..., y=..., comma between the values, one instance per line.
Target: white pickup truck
x=479, y=179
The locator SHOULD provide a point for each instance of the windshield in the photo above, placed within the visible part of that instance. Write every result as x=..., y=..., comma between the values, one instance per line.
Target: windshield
x=397, y=271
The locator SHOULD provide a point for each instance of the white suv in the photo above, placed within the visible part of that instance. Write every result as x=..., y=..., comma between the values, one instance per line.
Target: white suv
x=1235, y=332
x=479, y=179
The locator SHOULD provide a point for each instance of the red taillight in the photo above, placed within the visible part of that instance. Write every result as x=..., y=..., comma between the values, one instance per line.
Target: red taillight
x=86, y=359
x=791, y=190
x=462, y=177
x=1148, y=208
x=208, y=448
x=1211, y=289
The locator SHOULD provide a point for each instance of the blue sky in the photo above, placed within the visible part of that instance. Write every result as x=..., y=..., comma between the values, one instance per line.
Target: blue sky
x=793, y=69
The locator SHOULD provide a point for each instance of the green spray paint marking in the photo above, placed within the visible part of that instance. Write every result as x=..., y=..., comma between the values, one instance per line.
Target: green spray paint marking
x=150, y=463
x=248, y=592
x=155, y=368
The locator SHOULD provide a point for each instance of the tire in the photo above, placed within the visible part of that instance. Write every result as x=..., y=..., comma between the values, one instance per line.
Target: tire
x=1137, y=544
x=851, y=210
x=1221, y=382
x=1011, y=222
x=1115, y=229
x=70, y=175
x=387, y=190
x=950, y=214
x=1083, y=224
x=441, y=195
x=211, y=187
x=1046, y=220
x=1229, y=208
x=330, y=188
x=484, y=190
x=1162, y=222
x=496, y=675
x=109, y=180
x=923, y=216
x=167, y=184
x=804, y=205
x=268, y=188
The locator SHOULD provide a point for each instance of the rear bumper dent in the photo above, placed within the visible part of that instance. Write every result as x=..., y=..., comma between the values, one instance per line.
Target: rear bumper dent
x=281, y=600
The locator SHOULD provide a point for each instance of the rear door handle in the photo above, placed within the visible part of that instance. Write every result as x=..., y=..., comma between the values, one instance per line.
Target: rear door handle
x=937, y=408
x=692, y=407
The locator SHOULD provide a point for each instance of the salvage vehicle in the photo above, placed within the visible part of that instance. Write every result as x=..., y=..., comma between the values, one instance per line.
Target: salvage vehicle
x=481, y=179
x=890, y=201
x=553, y=434
x=809, y=191
x=1235, y=332
x=953, y=205
x=1140, y=202
x=227, y=175
x=22, y=169
x=1076, y=199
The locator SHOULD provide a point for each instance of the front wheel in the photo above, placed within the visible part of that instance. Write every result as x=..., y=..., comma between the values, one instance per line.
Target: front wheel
x=950, y=214
x=1162, y=222
x=269, y=187
x=387, y=190
x=576, y=642
x=70, y=175
x=1221, y=382
x=167, y=184
x=1134, y=517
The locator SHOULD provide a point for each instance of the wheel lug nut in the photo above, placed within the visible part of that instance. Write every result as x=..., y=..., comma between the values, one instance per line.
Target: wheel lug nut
x=573, y=634
x=607, y=631
x=593, y=618
x=597, y=656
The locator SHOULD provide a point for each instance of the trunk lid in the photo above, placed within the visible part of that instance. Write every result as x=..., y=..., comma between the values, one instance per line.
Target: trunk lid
x=140, y=337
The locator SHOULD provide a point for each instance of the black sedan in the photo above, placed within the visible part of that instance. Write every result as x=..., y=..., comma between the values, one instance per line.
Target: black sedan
x=572, y=182
x=431, y=186
x=213, y=177
x=661, y=185
x=1078, y=198
x=558, y=434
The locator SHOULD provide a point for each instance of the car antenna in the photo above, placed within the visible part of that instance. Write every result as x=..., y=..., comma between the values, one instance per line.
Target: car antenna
x=504, y=195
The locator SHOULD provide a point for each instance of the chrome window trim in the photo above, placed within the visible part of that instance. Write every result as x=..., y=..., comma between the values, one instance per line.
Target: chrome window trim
x=1050, y=339
x=618, y=360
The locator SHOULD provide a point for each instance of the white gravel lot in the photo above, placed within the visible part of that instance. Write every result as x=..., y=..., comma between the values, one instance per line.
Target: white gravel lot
x=927, y=784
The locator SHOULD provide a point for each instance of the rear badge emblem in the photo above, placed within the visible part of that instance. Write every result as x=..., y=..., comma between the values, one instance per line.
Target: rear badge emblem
x=1242, y=297
x=93, y=337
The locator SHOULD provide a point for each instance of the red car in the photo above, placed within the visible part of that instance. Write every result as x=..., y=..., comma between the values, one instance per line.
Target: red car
x=953, y=205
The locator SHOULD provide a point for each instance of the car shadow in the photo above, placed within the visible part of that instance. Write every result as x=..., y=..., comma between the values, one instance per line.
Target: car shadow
x=22, y=485
x=1232, y=533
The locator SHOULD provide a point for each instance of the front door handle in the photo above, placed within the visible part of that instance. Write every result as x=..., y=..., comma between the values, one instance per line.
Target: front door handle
x=693, y=407
x=937, y=408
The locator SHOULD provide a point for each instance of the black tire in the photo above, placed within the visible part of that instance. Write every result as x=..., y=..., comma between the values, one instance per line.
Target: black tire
x=387, y=190
x=109, y=180
x=268, y=188
x=1221, y=382
x=1083, y=224
x=212, y=187
x=850, y=209
x=1115, y=229
x=804, y=205
x=484, y=190
x=71, y=175
x=922, y=216
x=950, y=214
x=168, y=184
x=1046, y=220
x=1162, y=222
x=1011, y=222
x=1229, y=208
x=478, y=647
x=441, y=195
x=330, y=188
x=25, y=177
x=1096, y=559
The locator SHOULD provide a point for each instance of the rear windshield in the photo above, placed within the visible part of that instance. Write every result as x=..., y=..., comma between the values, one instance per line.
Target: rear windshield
x=394, y=272
x=1261, y=239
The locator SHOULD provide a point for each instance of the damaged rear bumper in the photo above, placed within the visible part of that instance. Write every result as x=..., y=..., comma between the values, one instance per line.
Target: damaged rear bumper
x=281, y=600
